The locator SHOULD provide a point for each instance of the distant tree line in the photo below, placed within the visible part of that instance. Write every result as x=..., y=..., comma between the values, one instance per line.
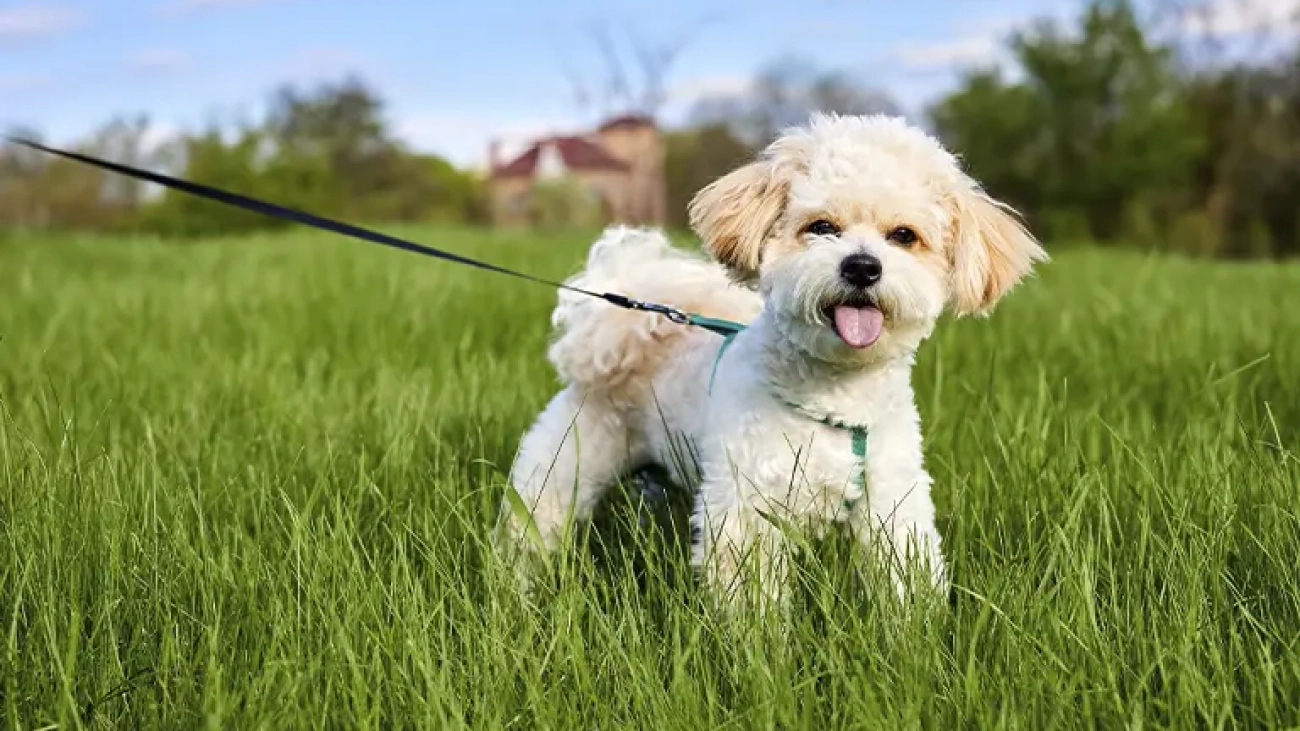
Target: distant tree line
x=1115, y=127
x=325, y=150
x=1118, y=133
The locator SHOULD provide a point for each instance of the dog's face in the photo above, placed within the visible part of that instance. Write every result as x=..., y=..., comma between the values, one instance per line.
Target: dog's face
x=858, y=231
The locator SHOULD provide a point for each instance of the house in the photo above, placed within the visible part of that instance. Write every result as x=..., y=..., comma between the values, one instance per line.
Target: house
x=618, y=168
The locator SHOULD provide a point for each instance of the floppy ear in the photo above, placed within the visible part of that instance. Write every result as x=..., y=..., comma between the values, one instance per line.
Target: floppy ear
x=991, y=252
x=734, y=214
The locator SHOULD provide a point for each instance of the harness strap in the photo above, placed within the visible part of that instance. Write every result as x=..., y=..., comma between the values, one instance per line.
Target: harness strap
x=725, y=328
x=859, y=439
x=857, y=442
x=728, y=330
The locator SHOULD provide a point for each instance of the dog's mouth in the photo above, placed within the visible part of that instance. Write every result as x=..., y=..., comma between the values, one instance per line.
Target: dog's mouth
x=857, y=321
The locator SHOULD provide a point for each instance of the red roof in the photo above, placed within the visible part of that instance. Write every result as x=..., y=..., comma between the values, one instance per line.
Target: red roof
x=578, y=153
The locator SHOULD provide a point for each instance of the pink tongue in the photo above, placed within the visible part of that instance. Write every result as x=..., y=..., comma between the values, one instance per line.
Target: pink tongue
x=859, y=327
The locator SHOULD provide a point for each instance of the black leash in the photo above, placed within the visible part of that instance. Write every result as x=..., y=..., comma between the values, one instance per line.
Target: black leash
x=346, y=229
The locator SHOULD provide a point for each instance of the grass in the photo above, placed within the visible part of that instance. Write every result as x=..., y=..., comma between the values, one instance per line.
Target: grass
x=246, y=484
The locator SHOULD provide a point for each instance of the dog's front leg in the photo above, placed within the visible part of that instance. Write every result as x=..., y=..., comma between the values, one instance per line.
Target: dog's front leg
x=899, y=508
x=741, y=556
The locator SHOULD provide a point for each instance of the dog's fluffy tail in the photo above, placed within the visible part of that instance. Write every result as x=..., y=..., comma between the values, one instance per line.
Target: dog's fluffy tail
x=606, y=348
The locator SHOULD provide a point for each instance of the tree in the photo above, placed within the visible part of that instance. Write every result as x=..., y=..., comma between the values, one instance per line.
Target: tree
x=40, y=191
x=1132, y=128
x=211, y=159
x=564, y=203
x=996, y=127
x=1099, y=125
x=338, y=127
x=325, y=150
x=696, y=157
x=1250, y=180
x=20, y=207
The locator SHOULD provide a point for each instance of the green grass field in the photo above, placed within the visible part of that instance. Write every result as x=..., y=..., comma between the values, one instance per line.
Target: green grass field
x=246, y=484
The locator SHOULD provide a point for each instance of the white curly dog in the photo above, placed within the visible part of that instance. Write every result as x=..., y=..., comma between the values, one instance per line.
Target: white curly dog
x=838, y=248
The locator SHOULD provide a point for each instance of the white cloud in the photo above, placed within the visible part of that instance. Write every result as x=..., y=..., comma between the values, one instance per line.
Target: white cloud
x=684, y=96
x=982, y=41
x=159, y=134
x=693, y=90
x=31, y=22
x=1242, y=17
x=979, y=43
x=157, y=60
x=966, y=51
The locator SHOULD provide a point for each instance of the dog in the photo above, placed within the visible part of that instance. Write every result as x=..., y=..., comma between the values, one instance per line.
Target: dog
x=838, y=247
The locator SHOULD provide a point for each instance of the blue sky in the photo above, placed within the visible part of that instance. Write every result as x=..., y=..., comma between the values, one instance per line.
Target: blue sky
x=456, y=74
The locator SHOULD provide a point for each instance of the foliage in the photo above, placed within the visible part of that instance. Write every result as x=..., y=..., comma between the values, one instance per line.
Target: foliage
x=233, y=165
x=37, y=191
x=326, y=150
x=696, y=157
x=1106, y=129
x=249, y=484
x=564, y=202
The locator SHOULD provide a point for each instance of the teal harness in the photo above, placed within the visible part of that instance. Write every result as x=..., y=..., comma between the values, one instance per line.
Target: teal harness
x=857, y=433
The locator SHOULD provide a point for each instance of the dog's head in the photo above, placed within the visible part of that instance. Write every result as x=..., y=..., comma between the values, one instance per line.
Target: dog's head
x=858, y=231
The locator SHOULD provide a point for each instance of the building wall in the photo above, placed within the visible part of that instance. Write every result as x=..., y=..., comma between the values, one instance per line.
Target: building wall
x=642, y=147
x=637, y=197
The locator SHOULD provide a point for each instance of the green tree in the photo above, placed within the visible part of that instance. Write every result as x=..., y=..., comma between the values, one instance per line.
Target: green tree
x=327, y=151
x=210, y=158
x=41, y=191
x=696, y=157
x=1099, y=123
x=1249, y=182
x=995, y=126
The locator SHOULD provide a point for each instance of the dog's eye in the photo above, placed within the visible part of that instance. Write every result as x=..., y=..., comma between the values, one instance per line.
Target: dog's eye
x=903, y=236
x=822, y=227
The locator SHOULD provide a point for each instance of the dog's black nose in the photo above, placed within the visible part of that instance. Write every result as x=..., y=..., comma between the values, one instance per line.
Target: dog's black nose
x=861, y=270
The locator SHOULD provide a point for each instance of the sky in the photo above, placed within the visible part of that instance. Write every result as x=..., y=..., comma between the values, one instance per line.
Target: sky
x=458, y=74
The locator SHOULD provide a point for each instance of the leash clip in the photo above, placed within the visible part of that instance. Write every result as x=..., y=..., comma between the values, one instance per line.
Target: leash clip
x=672, y=313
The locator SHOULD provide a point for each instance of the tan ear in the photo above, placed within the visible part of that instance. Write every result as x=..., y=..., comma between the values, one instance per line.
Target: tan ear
x=734, y=214
x=991, y=252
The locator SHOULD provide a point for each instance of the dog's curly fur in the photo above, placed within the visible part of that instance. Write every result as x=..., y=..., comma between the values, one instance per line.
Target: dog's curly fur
x=636, y=382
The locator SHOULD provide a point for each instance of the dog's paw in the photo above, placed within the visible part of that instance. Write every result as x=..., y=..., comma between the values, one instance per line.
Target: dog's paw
x=923, y=572
x=519, y=550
